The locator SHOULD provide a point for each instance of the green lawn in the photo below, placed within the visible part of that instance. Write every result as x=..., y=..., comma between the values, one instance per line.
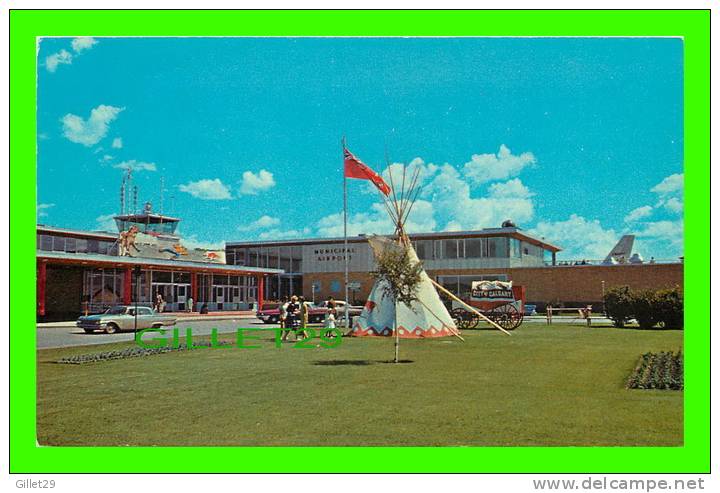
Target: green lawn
x=544, y=385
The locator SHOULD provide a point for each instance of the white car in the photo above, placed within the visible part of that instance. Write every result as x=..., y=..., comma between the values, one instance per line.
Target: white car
x=341, y=306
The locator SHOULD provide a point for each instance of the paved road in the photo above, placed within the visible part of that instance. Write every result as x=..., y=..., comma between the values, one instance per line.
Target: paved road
x=73, y=336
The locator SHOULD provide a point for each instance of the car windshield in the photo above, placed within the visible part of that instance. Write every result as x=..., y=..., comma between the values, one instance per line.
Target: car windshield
x=116, y=310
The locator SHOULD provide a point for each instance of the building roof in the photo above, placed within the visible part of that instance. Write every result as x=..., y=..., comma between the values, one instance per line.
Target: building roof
x=150, y=217
x=113, y=261
x=77, y=233
x=511, y=232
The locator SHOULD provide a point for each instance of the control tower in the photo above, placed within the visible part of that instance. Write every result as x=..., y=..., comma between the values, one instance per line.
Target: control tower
x=148, y=222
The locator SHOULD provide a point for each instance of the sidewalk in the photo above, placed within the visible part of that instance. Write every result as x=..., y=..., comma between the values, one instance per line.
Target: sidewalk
x=181, y=316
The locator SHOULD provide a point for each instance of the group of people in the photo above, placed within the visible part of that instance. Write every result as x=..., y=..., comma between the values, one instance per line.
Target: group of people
x=295, y=314
x=159, y=305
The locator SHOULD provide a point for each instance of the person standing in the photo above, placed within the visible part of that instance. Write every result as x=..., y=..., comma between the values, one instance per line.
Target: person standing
x=304, y=317
x=292, y=320
x=330, y=316
x=282, y=308
x=190, y=302
x=159, y=303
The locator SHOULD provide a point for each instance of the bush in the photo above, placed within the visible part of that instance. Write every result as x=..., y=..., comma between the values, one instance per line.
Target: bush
x=644, y=306
x=618, y=305
x=670, y=307
x=649, y=307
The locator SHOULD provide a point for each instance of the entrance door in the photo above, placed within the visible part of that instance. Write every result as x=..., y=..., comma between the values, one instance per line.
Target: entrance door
x=181, y=291
x=219, y=296
x=166, y=291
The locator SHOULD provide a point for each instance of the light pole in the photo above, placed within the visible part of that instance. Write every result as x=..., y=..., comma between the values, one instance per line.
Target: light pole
x=137, y=292
x=603, y=295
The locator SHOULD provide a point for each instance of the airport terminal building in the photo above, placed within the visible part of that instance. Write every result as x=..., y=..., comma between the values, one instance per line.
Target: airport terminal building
x=89, y=271
x=84, y=271
x=315, y=267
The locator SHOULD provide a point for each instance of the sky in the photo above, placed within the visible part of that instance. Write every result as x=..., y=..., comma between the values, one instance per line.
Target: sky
x=577, y=140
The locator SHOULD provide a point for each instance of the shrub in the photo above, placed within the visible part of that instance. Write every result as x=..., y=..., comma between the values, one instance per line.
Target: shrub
x=645, y=307
x=618, y=305
x=670, y=308
x=649, y=307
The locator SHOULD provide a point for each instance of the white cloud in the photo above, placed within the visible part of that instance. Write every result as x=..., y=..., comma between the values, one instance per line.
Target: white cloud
x=673, y=205
x=253, y=183
x=89, y=132
x=661, y=239
x=106, y=222
x=207, y=189
x=80, y=44
x=260, y=223
x=579, y=238
x=670, y=193
x=192, y=242
x=117, y=143
x=510, y=189
x=277, y=234
x=63, y=57
x=662, y=229
x=42, y=208
x=135, y=165
x=377, y=221
x=670, y=185
x=638, y=213
x=107, y=157
x=451, y=198
x=489, y=167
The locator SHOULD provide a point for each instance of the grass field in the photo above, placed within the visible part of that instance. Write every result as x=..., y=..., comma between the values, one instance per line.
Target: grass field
x=557, y=385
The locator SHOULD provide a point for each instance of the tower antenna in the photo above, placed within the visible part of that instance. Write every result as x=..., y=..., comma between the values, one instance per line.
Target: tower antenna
x=162, y=189
x=122, y=196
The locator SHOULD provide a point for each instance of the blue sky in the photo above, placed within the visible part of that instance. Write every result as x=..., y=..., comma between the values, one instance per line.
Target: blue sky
x=577, y=140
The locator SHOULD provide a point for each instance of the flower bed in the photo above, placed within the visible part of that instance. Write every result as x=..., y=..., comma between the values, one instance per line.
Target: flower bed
x=662, y=371
x=132, y=352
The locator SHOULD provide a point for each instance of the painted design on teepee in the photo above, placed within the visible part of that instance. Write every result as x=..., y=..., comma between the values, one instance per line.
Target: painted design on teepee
x=426, y=317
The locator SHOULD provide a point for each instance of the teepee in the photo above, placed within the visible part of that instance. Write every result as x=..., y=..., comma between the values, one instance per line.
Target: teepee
x=425, y=315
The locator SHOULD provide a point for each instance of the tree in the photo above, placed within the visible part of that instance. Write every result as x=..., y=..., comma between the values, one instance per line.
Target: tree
x=402, y=279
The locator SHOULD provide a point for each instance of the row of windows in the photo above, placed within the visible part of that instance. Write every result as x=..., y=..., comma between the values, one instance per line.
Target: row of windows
x=52, y=243
x=492, y=247
x=104, y=287
x=288, y=258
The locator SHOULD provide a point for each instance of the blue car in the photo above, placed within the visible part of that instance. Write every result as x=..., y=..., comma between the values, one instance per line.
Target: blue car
x=530, y=310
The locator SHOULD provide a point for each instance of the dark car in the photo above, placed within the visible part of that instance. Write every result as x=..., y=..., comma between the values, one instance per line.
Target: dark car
x=530, y=310
x=270, y=313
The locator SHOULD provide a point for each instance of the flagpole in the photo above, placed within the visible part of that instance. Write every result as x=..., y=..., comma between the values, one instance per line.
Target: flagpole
x=347, y=276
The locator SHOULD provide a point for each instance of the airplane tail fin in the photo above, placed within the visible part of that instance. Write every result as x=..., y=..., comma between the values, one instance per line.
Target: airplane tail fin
x=622, y=251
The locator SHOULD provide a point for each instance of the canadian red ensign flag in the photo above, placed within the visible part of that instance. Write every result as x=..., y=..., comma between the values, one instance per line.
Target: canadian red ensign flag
x=354, y=168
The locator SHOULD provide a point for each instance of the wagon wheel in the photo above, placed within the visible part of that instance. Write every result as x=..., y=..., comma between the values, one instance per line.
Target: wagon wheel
x=465, y=319
x=506, y=316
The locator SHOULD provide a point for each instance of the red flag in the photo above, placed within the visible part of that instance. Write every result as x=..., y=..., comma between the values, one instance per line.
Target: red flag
x=354, y=168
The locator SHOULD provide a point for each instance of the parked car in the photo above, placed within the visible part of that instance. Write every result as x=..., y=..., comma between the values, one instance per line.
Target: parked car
x=340, y=308
x=270, y=313
x=530, y=310
x=119, y=318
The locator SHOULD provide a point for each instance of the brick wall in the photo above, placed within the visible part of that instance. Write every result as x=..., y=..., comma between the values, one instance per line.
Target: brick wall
x=579, y=283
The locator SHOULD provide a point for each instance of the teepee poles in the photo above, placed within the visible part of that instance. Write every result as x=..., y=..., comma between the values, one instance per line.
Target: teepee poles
x=469, y=307
x=454, y=331
x=397, y=338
